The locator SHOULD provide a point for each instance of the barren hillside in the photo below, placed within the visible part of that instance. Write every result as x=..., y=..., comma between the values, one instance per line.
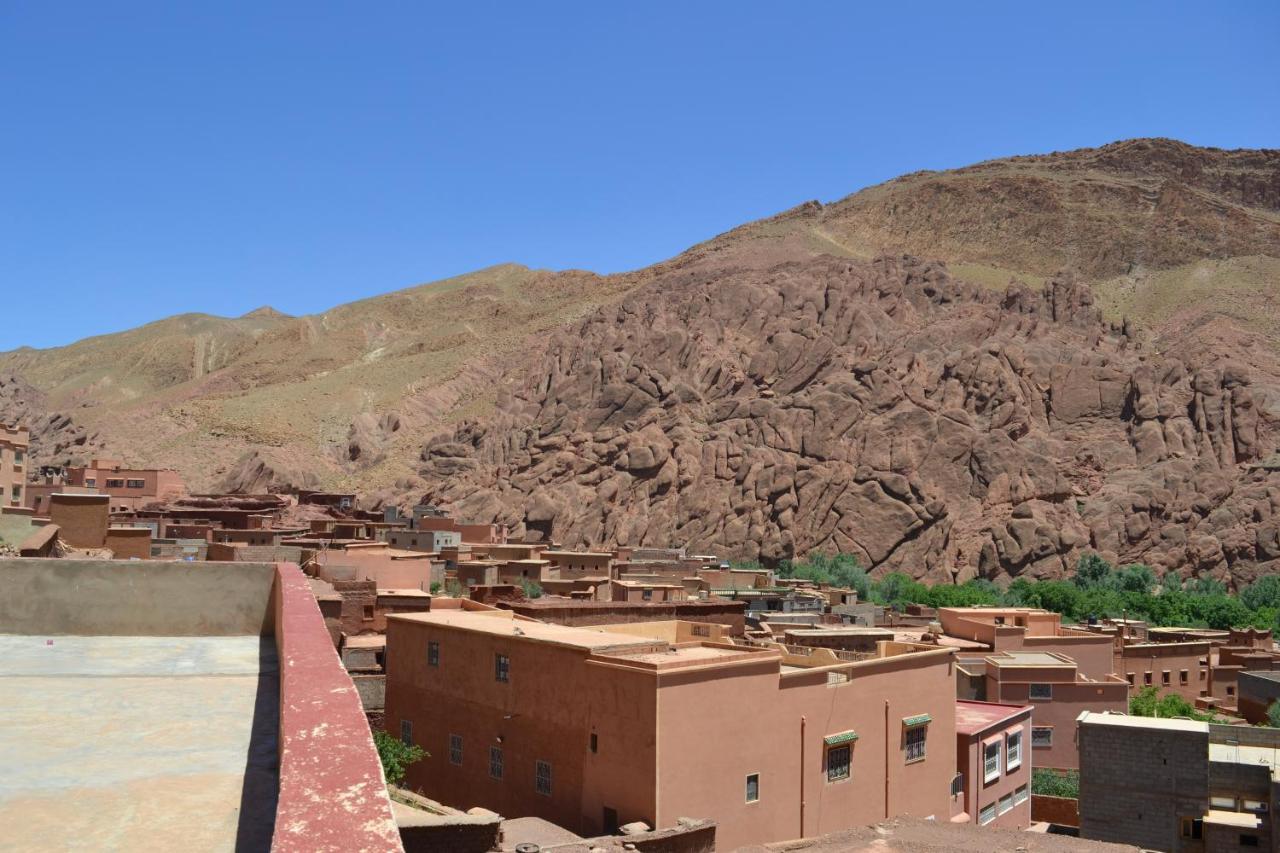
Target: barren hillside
x=800, y=382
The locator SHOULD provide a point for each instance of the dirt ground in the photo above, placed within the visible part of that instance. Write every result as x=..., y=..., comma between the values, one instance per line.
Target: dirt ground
x=927, y=836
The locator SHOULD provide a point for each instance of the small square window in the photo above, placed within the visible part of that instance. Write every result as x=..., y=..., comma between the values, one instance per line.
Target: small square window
x=406, y=732
x=495, y=762
x=455, y=749
x=1020, y=796
x=1129, y=677
x=1041, y=736
x=502, y=668
x=433, y=653
x=1231, y=691
x=647, y=595
x=542, y=777
x=987, y=814
x=1223, y=803
x=1248, y=840
x=753, y=787
x=1041, y=692
x=838, y=762
x=1006, y=804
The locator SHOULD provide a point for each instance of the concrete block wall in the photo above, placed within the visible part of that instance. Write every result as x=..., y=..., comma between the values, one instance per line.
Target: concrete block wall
x=1135, y=783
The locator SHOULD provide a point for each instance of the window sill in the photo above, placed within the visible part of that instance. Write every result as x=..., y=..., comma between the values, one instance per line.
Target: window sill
x=987, y=780
x=916, y=760
x=1012, y=767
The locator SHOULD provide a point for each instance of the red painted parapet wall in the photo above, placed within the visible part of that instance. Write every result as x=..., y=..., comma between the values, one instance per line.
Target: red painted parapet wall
x=332, y=793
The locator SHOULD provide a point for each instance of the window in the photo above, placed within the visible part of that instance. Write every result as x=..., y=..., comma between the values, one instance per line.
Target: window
x=1128, y=676
x=495, y=762
x=1146, y=677
x=991, y=762
x=115, y=484
x=502, y=668
x=1041, y=692
x=1182, y=677
x=753, y=787
x=915, y=742
x=433, y=653
x=987, y=814
x=367, y=614
x=1164, y=678
x=18, y=456
x=542, y=777
x=17, y=492
x=838, y=758
x=1248, y=840
x=1202, y=675
x=1254, y=806
x=91, y=481
x=1224, y=803
x=957, y=784
x=406, y=732
x=1041, y=736
x=1192, y=827
x=1231, y=691
x=595, y=743
x=1013, y=752
x=701, y=630
x=136, y=484
x=647, y=595
x=455, y=749
x=1006, y=804
x=1020, y=795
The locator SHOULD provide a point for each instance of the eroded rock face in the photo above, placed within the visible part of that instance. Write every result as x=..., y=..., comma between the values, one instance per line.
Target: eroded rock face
x=881, y=408
x=56, y=438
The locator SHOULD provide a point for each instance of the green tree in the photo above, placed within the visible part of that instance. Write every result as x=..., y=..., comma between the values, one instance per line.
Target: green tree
x=1092, y=571
x=1264, y=592
x=396, y=756
x=1056, y=783
x=1273, y=715
x=1170, y=582
x=1134, y=578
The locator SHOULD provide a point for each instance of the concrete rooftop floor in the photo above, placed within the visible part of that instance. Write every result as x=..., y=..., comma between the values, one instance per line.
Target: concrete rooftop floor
x=138, y=743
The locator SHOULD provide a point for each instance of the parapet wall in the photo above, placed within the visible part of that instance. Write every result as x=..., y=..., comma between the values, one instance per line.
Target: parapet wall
x=138, y=598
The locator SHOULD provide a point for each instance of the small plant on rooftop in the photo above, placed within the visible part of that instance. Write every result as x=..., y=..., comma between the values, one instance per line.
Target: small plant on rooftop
x=396, y=756
x=436, y=586
x=532, y=589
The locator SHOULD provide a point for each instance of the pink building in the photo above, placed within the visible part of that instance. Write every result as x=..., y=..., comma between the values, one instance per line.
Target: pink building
x=1059, y=692
x=1007, y=629
x=993, y=764
x=129, y=488
x=14, y=441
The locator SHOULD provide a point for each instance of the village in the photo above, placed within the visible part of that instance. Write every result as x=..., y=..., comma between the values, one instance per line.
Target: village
x=641, y=697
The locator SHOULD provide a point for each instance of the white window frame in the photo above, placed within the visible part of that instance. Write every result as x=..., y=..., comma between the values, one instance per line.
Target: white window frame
x=1013, y=751
x=749, y=798
x=1020, y=795
x=990, y=762
x=1048, y=730
x=987, y=814
x=1005, y=804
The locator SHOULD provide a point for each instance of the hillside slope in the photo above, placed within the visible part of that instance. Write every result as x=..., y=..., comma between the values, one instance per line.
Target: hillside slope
x=1094, y=365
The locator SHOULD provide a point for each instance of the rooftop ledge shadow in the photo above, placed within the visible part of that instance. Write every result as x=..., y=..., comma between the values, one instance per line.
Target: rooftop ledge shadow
x=255, y=737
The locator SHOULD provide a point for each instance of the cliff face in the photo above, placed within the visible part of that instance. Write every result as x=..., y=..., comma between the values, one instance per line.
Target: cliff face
x=979, y=371
x=883, y=408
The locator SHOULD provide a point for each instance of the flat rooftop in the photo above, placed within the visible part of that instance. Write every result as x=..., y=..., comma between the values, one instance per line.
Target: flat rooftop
x=975, y=717
x=184, y=756
x=1028, y=659
x=1124, y=720
x=502, y=622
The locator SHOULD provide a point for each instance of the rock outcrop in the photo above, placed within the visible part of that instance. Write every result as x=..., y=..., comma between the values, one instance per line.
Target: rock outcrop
x=886, y=409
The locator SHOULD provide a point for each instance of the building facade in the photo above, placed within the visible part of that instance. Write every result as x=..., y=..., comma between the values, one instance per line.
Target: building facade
x=595, y=728
x=14, y=442
x=993, y=763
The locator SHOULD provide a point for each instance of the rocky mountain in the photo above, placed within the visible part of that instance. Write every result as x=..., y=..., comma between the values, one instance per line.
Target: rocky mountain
x=979, y=371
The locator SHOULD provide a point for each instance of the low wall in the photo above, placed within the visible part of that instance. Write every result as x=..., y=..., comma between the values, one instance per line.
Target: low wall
x=585, y=613
x=135, y=598
x=429, y=827
x=332, y=792
x=129, y=543
x=372, y=690
x=40, y=543
x=1063, y=811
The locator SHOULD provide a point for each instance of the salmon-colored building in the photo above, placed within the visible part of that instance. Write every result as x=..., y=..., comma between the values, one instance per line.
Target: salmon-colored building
x=14, y=441
x=993, y=763
x=129, y=488
x=592, y=728
x=1059, y=691
x=1007, y=629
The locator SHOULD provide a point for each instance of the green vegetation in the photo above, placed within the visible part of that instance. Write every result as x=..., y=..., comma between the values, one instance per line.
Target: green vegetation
x=1273, y=715
x=532, y=589
x=1056, y=783
x=436, y=587
x=453, y=589
x=395, y=756
x=1148, y=703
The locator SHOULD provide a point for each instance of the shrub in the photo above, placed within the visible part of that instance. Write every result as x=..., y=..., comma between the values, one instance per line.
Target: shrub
x=1056, y=783
x=395, y=756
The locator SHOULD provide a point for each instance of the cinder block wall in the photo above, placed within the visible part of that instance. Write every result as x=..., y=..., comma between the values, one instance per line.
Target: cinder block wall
x=1135, y=783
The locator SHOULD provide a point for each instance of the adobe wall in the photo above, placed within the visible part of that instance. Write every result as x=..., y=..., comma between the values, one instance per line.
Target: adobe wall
x=730, y=613
x=1062, y=811
x=83, y=519
x=134, y=598
x=40, y=542
x=129, y=543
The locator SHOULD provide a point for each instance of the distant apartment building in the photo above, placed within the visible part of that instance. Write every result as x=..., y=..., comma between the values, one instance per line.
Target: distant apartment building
x=129, y=488
x=1178, y=785
x=1007, y=629
x=1059, y=692
x=993, y=763
x=594, y=728
x=432, y=541
x=14, y=441
x=1181, y=668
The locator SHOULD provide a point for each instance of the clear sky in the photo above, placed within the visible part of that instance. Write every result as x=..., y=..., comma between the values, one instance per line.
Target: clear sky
x=158, y=158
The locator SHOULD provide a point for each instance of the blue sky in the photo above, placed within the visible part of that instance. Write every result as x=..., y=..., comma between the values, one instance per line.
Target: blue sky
x=158, y=158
